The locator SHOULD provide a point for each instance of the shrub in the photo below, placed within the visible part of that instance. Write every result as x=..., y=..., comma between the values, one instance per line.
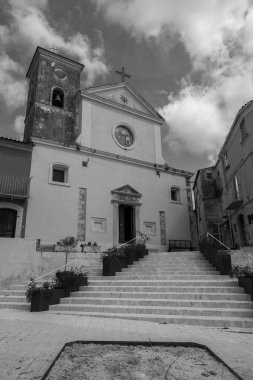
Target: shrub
x=241, y=271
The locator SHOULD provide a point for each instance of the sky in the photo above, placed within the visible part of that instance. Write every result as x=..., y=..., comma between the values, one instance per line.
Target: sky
x=191, y=59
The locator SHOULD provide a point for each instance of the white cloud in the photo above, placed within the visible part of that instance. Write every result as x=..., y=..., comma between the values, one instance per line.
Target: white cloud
x=217, y=35
x=12, y=87
x=19, y=125
x=28, y=27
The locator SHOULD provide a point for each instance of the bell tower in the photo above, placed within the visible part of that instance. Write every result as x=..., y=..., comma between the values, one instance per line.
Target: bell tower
x=54, y=82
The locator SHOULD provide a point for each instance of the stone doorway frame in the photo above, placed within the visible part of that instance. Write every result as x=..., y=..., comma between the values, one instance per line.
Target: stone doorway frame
x=125, y=195
x=19, y=209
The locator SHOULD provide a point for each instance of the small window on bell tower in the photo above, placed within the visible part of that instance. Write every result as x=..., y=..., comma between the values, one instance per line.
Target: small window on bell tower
x=58, y=98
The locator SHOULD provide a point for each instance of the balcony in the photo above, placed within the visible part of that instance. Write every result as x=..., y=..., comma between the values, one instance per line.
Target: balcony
x=14, y=187
x=234, y=205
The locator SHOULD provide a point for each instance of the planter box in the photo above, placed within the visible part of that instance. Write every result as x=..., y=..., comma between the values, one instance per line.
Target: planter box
x=246, y=283
x=221, y=261
x=40, y=301
x=113, y=264
x=57, y=294
x=91, y=249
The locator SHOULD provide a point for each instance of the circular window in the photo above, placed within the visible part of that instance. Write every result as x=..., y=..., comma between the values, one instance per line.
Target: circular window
x=124, y=136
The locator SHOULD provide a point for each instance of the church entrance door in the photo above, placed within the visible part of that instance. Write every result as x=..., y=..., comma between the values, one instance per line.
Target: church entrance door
x=126, y=223
x=8, y=218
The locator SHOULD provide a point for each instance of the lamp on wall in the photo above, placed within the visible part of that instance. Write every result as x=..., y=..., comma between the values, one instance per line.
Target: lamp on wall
x=85, y=163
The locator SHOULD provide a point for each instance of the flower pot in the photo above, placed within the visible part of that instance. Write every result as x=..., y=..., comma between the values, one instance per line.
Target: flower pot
x=57, y=294
x=83, y=282
x=71, y=288
x=113, y=264
x=40, y=300
x=246, y=283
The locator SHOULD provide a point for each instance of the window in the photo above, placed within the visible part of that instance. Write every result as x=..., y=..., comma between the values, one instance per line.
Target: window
x=209, y=175
x=244, y=133
x=59, y=174
x=225, y=161
x=236, y=188
x=58, y=97
x=175, y=194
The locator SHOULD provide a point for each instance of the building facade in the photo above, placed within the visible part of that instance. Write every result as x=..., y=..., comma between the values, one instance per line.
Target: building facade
x=233, y=201
x=97, y=170
x=15, y=159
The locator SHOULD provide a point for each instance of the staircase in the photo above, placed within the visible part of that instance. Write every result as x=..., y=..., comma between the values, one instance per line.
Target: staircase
x=14, y=298
x=164, y=287
x=174, y=287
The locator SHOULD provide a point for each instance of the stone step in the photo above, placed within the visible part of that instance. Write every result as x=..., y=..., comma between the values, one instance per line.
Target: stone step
x=221, y=312
x=11, y=298
x=167, y=266
x=179, y=260
x=161, y=289
x=164, y=295
x=182, y=282
x=223, y=322
x=15, y=305
x=11, y=292
x=170, y=271
x=206, y=304
x=143, y=277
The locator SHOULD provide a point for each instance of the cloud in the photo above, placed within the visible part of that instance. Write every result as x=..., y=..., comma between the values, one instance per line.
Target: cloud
x=32, y=27
x=19, y=125
x=217, y=35
x=12, y=86
x=28, y=27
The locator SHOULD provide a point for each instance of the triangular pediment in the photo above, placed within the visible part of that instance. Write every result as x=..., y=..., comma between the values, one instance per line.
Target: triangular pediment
x=123, y=95
x=126, y=189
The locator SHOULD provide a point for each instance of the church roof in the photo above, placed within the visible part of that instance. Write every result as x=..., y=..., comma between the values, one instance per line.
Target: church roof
x=123, y=95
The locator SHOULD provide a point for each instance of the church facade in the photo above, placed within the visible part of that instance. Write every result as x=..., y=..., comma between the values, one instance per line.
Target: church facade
x=97, y=170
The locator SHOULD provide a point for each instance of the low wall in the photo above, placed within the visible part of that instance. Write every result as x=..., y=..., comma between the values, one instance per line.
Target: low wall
x=20, y=261
x=242, y=257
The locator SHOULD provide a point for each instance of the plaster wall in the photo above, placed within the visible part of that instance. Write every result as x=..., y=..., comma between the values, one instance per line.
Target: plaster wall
x=15, y=162
x=98, y=122
x=53, y=209
x=20, y=261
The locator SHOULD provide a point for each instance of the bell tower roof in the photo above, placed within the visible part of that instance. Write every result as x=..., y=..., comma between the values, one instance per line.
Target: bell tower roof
x=50, y=54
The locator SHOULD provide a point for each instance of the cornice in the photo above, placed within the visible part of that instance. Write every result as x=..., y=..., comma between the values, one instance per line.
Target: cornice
x=115, y=157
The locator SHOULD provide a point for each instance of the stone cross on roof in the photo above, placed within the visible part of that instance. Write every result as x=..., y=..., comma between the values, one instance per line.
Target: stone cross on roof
x=123, y=74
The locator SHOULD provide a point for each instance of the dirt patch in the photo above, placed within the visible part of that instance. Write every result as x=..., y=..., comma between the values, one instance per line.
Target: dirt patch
x=135, y=362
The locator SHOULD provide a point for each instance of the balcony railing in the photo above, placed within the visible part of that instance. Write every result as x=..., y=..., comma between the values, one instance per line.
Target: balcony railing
x=14, y=187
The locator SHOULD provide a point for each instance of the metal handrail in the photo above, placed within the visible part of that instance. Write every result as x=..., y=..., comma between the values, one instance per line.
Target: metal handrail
x=208, y=233
x=53, y=271
x=139, y=235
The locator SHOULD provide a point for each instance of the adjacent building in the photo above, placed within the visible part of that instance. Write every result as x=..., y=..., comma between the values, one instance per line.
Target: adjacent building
x=15, y=166
x=231, y=185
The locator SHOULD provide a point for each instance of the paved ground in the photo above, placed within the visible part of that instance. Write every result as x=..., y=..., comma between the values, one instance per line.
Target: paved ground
x=29, y=342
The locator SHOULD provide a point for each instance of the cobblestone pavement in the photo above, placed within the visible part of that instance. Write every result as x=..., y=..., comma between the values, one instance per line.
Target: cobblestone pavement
x=29, y=342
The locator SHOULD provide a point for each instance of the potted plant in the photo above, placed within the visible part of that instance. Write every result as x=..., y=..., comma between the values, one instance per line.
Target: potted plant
x=245, y=277
x=71, y=280
x=68, y=243
x=113, y=261
x=220, y=258
x=39, y=296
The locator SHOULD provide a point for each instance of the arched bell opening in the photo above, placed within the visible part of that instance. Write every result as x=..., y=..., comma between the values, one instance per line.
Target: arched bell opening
x=58, y=97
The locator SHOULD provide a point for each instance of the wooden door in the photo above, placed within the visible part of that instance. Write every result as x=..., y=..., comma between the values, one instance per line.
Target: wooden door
x=8, y=218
